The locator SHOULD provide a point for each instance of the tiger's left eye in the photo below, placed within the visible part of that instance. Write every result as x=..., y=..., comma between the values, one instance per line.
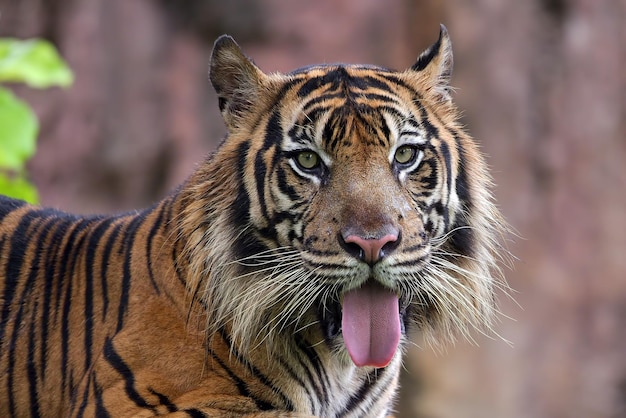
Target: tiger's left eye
x=308, y=160
x=405, y=154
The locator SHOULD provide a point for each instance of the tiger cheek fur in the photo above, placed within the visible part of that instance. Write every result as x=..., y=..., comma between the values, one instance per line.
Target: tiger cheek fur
x=345, y=207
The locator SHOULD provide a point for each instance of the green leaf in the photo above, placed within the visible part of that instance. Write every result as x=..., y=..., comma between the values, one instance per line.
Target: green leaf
x=18, y=188
x=18, y=131
x=34, y=62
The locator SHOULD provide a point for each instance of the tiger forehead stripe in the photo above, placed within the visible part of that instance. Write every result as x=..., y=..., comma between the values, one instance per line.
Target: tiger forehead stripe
x=353, y=91
x=347, y=80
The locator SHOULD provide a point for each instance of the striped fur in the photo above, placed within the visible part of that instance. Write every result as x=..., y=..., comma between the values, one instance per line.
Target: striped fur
x=223, y=300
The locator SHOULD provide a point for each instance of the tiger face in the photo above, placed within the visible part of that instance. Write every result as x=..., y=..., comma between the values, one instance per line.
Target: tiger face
x=362, y=210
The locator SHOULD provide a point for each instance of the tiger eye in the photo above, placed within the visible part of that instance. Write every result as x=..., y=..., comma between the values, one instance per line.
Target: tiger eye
x=404, y=154
x=308, y=159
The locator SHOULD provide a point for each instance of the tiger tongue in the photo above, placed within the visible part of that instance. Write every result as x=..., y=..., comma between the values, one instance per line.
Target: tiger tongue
x=371, y=324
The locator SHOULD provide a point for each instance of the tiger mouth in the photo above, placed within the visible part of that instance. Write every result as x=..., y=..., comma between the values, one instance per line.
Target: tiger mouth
x=330, y=317
x=369, y=329
x=330, y=320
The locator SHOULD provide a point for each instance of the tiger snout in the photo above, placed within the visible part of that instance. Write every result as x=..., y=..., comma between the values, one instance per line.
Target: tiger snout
x=370, y=248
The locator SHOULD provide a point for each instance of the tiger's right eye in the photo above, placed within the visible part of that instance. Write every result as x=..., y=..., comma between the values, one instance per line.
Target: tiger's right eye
x=308, y=160
x=405, y=154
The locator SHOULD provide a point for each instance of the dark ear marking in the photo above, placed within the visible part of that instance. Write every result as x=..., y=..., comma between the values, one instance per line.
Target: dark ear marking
x=235, y=78
x=437, y=62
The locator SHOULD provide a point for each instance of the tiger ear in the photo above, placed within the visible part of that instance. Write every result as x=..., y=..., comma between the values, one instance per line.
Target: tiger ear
x=235, y=78
x=435, y=63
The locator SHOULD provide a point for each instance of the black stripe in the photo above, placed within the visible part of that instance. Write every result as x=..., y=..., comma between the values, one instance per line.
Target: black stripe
x=285, y=185
x=316, y=83
x=447, y=159
x=294, y=376
x=241, y=205
x=18, y=245
x=370, y=82
x=31, y=366
x=318, y=105
x=375, y=96
x=412, y=124
x=299, y=134
x=399, y=114
x=58, y=229
x=429, y=182
x=178, y=267
x=83, y=404
x=22, y=236
x=174, y=235
x=8, y=205
x=286, y=87
x=395, y=80
x=273, y=134
x=101, y=411
x=260, y=171
x=332, y=136
x=322, y=253
x=106, y=256
x=247, y=244
x=40, y=235
x=279, y=217
x=164, y=400
x=151, y=235
x=462, y=183
x=462, y=237
x=129, y=241
x=72, y=251
x=242, y=387
x=116, y=361
x=195, y=413
x=369, y=382
x=256, y=372
x=385, y=131
x=321, y=389
x=95, y=238
x=417, y=247
x=33, y=225
x=412, y=262
x=366, y=116
x=430, y=129
x=60, y=260
x=12, y=348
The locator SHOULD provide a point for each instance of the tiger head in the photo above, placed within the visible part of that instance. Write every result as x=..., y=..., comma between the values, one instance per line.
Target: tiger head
x=346, y=204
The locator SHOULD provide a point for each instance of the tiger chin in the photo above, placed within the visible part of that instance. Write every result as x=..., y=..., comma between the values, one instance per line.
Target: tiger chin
x=345, y=209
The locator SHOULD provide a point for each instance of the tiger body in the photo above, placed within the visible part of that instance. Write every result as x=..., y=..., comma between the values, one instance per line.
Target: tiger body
x=133, y=301
x=345, y=208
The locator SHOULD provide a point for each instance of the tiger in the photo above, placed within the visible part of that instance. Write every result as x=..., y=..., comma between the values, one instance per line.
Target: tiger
x=345, y=210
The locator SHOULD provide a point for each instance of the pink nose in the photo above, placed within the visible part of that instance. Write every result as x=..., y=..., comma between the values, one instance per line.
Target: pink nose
x=372, y=250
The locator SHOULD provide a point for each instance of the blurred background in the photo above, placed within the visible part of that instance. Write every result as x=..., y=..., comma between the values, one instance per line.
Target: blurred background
x=543, y=88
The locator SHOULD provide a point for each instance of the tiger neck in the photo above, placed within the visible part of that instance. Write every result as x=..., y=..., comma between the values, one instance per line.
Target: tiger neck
x=300, y=372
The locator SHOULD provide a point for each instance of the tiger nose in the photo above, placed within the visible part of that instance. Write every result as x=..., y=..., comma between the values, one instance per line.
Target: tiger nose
x=370, y=250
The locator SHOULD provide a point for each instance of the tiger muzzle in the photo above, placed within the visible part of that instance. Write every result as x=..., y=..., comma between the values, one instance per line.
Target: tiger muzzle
x=367, y=248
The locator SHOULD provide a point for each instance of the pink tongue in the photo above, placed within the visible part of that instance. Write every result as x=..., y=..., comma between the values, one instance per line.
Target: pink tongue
x=371, y=324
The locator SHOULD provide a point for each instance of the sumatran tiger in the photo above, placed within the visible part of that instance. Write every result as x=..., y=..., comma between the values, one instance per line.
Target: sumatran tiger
x=346, y=207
